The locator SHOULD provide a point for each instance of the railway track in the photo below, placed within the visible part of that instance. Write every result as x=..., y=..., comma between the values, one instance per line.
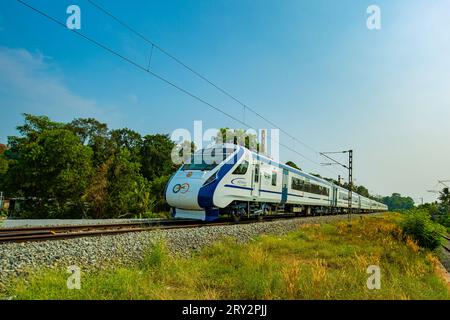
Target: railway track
x=66, y=232
x=445, y=247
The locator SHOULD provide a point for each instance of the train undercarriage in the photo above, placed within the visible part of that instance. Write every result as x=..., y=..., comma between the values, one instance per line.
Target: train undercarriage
x=239, y=209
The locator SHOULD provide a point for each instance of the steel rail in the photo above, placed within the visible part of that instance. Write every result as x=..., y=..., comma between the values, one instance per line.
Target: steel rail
x=66, y=232
x=86, y=226
x=43, y=233
x=445, y=247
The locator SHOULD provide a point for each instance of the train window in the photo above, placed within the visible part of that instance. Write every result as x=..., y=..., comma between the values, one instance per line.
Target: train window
x=198, y=166
x=343, y=196
x=242, y=168
x=214, y=154
x=296, y=184
x=324, y=191
x=274, y=178
x=306, y=186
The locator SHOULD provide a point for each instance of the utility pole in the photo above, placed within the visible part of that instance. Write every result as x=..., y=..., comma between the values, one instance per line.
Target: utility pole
x=419, y=198
x=350, y=184
x=349, y=167
x=1, y=200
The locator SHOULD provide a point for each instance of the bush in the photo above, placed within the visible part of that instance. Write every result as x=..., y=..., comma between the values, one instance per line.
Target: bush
x=418, y=225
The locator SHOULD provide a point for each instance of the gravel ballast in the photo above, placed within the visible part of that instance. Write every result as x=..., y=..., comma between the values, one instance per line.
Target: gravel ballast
x=26, y=223
x=16, y=259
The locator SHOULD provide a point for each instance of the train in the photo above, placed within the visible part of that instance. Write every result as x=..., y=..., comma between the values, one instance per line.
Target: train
x=231, y=180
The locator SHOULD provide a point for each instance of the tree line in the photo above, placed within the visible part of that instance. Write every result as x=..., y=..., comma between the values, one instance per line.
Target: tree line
x=440, y=210
x=82, y=169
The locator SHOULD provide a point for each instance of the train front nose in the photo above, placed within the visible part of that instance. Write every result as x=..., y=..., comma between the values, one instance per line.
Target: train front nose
x=182, y=191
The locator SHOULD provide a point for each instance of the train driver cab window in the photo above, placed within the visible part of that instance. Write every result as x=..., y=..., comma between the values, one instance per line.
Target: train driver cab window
x=242, y=168
x=274, y=178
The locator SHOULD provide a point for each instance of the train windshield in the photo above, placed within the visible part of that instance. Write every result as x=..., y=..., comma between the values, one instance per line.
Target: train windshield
x=207, y=159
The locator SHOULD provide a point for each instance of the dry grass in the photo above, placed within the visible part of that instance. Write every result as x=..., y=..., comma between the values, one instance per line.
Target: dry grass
x=315, y=262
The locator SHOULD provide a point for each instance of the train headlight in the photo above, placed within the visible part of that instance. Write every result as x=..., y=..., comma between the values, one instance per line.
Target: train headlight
x=210, y=179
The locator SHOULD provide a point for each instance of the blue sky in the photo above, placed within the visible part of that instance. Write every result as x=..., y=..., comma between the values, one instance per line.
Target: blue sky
x=312, y=67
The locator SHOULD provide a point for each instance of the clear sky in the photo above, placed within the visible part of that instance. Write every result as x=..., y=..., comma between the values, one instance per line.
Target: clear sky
x=312, y=67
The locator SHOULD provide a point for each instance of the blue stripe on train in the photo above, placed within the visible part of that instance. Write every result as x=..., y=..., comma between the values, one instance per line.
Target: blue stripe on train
x=206, y=193
x=238, y=187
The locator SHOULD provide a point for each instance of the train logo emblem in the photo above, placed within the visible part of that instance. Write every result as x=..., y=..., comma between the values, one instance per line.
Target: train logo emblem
x=183, y=188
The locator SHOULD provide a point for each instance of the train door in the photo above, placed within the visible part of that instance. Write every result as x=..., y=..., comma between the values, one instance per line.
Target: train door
x=335, y=196
x=284, y=191
x=256, y=180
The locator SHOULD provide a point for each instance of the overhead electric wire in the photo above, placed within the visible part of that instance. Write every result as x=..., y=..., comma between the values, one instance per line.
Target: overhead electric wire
x=335, y=161
x=137, y=65
x=133, y=30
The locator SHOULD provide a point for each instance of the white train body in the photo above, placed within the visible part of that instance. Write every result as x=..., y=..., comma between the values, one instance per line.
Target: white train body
x=241, y=182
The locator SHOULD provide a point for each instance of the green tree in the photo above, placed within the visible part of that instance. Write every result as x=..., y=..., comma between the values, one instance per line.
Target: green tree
x=418, y=225
x=126, y=138
x=397, y=202
x=96, y=194
x=156, y=158
x=361, y=190
x=53, y=168
x=4, y=165
x=94, y=134
x=238, y=137
x=293, y=165
x=185, y=150
x=443, y=213
x=444, y=198
x=431, y=208
x=128, y=190
x=158, y=188
x=31, y=129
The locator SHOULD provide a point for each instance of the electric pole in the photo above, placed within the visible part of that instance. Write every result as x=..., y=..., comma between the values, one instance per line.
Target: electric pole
x=350, y=184
x=349, y=167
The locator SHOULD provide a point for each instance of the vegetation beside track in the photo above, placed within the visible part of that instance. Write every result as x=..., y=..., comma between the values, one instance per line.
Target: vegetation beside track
x=326, y=261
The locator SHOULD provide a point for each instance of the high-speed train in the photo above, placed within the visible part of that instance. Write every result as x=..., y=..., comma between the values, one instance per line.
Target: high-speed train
x=232, y=180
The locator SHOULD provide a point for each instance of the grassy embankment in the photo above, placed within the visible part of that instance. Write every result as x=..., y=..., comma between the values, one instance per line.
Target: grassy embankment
x=315, y=262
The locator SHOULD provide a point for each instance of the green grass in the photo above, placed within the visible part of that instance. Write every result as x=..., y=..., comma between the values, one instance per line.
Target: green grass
x=153, y=215
x=315, y=262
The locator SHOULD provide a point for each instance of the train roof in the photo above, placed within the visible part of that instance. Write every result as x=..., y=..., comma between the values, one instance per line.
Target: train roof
x=291, y=169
